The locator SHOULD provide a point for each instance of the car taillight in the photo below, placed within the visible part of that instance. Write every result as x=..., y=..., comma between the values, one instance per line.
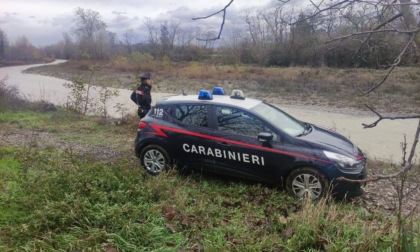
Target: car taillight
x=142, y=125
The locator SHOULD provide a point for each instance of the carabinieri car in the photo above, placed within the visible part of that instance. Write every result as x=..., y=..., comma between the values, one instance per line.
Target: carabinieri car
x=248, y=138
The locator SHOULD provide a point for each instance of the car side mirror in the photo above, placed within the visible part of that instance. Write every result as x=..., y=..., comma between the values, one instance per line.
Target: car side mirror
x=265, y=137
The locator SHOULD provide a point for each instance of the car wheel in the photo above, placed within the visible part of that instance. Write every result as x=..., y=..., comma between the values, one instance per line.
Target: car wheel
x=307, y=183
x=154, y=159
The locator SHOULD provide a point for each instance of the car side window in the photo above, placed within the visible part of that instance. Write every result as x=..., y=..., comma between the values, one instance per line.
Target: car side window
x=237, y=121
x=195, y=115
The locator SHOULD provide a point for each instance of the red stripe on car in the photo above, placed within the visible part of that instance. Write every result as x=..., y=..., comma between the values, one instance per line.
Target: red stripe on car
x=159, y=131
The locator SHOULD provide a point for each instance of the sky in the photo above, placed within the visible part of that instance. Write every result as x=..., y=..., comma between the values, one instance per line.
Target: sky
x=43, y=22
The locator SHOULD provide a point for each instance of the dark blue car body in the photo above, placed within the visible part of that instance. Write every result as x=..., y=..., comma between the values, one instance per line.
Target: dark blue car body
x=237, y=137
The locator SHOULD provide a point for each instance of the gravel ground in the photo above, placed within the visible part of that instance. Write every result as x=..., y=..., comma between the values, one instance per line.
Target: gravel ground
x=379, y=196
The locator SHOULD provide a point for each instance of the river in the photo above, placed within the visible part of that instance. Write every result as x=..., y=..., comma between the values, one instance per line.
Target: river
x=381, y=142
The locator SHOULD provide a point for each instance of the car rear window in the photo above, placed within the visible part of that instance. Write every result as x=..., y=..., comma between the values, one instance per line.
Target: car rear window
x=195, y=115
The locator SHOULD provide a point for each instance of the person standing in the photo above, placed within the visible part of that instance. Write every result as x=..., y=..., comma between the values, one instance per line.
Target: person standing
x=142, y=95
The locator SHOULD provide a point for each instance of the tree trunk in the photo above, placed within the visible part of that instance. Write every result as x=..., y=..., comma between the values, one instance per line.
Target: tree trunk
x=410, y=22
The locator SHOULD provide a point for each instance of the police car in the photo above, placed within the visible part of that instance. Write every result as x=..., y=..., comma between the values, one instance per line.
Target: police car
x=248, y=138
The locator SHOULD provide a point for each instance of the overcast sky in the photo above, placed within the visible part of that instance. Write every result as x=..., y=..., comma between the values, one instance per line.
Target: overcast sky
x=43, y=22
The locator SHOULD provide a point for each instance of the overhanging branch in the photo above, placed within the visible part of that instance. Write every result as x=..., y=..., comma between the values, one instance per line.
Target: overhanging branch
x=221, y=25
x=381, y=117
x=372, y=32
x=407, y=164
x=393, y=65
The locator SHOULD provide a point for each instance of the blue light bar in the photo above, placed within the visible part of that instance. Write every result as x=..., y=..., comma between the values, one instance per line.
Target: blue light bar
x=205, y=95
x=218, y=91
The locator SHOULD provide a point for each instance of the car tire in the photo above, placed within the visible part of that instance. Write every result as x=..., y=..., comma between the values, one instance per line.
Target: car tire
x=154, y=159
x=307, y=182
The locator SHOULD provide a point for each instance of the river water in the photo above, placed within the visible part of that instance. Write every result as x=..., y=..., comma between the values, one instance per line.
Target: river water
x=381, y=142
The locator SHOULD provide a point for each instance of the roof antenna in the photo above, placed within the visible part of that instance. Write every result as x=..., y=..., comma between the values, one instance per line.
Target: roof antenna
x=183, y=92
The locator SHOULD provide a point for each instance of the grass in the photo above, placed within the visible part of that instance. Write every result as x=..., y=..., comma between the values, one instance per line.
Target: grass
x=61, y=203
x=57, y=199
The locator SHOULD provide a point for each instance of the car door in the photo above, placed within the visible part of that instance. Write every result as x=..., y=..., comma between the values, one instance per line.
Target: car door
x=242, y=154
x=188, y=141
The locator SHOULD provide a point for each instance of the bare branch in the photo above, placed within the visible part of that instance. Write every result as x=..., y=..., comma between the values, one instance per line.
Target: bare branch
x=406, y=164
x=372, y=32
x=368, y=126
x=400, y=4
x=388, y=21
x=413, y=147
x=373, y=178
x=396, y=63
x=403, y=169
x=330, y=7
x=222, y=24
x=376, y=28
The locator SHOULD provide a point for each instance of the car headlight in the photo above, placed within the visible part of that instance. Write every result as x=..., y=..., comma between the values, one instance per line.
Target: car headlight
x=345, y=162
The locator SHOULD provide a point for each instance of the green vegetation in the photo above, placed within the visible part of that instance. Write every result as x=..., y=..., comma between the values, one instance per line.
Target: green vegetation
x=60, y=199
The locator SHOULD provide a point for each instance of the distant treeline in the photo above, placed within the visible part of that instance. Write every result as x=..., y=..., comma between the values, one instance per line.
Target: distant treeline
x=266, y=39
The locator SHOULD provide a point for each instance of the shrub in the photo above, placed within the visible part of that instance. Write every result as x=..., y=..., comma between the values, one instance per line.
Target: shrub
x=9, y=96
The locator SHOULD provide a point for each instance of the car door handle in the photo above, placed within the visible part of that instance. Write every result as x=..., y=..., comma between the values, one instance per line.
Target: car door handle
x=224, y=143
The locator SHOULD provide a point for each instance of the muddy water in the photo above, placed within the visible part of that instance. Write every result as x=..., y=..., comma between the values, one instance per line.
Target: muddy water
x=36, y=87
x=381, y=142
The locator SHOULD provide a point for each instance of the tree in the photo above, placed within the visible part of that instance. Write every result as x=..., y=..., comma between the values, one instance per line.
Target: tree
x=162, y=40
x=128, y=37
x=391, y=18
x=3, y=44
x=23, y=50
x=91, y=33
x=376, y=22
x=167, y=37
x=69, y=46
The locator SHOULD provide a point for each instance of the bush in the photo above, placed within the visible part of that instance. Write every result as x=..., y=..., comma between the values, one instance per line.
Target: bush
x=9, y=96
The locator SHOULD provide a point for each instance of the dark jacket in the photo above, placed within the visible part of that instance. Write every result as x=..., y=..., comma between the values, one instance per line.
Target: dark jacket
x=142, y=97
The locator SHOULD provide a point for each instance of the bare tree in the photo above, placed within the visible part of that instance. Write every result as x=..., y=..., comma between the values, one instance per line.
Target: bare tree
x=369, y=20
x=153, y=32
x=162, y=40
x=22, y=49
x=168, y=33
x=90, y=31
x=385, y=17
x=128, y=37
x=3, y=44
x=69, y=47
x=234, y=42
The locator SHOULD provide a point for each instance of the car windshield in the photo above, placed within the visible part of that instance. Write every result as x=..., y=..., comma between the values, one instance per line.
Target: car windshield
x=282, y=120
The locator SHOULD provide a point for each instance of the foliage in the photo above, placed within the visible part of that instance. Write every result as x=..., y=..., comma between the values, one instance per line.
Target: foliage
x=78, y=96
x=8, y=94
x=105, y=94
x=83, y=97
